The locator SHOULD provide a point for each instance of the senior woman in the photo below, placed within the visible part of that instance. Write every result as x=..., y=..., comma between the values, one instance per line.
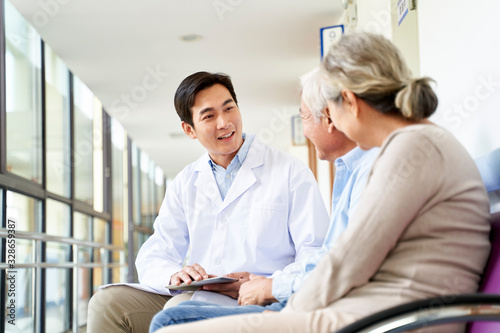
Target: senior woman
x=421, y=227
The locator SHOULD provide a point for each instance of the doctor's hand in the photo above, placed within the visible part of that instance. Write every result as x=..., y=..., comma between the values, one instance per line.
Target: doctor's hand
x=257, y=291
x=188, y=274
x=229, y=289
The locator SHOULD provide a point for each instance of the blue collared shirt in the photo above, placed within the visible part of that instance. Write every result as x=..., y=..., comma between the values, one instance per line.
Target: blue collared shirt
x=351, y=174
x=225, y=177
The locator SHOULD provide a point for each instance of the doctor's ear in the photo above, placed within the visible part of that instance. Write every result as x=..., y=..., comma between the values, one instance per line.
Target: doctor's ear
x=189, y=130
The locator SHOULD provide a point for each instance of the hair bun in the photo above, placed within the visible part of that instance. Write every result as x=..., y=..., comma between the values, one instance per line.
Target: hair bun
x=416, y=99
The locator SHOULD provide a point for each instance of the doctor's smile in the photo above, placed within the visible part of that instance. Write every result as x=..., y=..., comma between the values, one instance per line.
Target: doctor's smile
x=227, y=136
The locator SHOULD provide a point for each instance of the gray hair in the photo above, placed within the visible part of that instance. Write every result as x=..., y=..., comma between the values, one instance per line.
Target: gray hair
x=372, y=68
x=312, y=86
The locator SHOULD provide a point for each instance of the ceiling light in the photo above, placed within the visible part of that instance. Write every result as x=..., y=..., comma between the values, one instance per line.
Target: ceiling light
x=190, y=38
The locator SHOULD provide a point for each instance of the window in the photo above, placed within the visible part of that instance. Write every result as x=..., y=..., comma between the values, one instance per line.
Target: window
x=25, y=212
x=147, y=191
x=57, y=288
x=58, y=158
x=83, y=231
x=120, y=195
x=84, y=142
x=72, y=232
x=159, y=188
x=136, y=189
x=101, y=235
x=23, y=97
x=57, y=302
x=98, y=168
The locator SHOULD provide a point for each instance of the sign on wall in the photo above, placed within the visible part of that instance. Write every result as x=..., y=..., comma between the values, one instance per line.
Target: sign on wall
x=330, y=35
x=402, y=10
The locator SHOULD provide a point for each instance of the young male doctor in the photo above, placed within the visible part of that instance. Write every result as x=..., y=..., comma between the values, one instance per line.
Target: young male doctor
x=241, y=208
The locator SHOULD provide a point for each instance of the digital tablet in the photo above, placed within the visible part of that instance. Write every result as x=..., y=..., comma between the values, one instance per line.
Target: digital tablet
x=195, y=285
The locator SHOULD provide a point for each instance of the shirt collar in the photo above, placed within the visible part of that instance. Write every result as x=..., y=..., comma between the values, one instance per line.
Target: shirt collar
x=352, y=159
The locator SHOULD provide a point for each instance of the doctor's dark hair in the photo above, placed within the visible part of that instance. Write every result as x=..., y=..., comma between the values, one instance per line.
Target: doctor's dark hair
x=193, y=84
x=372, y=68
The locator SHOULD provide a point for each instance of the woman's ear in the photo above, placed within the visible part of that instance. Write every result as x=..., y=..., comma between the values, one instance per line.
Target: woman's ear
x=328, y=120
x=189, y=130
x=350, y=102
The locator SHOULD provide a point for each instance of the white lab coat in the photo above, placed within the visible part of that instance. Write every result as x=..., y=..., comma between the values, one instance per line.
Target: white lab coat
x=273, y=214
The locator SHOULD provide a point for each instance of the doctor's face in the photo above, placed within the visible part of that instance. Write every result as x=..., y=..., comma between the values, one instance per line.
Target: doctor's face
x=217, y=124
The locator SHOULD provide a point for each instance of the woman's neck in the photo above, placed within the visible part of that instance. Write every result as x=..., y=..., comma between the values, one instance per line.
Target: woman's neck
x=384, y=125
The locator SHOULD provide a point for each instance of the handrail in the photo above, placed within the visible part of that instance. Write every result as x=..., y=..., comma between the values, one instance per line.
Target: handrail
x=62, y=265
x=39, y=238
x=51, y=238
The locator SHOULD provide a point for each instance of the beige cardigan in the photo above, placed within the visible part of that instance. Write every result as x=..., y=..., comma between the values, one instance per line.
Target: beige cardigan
x=420, y=230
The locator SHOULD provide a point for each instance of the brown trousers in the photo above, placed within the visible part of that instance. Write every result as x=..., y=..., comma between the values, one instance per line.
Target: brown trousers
x=126, y=309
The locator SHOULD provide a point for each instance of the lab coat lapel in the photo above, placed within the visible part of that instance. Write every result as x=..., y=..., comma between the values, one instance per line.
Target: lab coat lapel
x=205, y=182
x=245, y=177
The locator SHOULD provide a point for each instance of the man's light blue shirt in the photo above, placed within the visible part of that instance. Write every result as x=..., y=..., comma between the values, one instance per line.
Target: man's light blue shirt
x=351, y=174
x=225, y=177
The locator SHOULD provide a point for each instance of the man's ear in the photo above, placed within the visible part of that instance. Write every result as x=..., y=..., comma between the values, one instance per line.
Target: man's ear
x=328, y=121
x=350, y=102
x=189, y=130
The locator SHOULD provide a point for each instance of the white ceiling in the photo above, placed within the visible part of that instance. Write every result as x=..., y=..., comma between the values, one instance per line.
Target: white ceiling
x=113, y=46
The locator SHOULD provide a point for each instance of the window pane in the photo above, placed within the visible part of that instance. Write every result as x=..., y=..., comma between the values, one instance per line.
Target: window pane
x=101, y=231
x=118, y=274
x=98, y=157
x=58, y=218
x=139, y=239
x=101, y=235
x=118, y=159
x=84, y=286
x=159, y=188
x=25, y=211
x=58, y=224
x=57, y=304
x=136, y=204
x=26, y=214
x=23, y=97
x=24, y=301
x=146, y=201
x=82, y=226
x=57, y=120
x=84, y=147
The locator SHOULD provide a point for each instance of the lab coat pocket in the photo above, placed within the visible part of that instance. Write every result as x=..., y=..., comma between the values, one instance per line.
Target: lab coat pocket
x=267, y=224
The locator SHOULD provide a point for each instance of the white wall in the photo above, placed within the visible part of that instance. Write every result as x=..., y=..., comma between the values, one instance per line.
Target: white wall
x=374, y=16
x=457, y=43
x=460, y=49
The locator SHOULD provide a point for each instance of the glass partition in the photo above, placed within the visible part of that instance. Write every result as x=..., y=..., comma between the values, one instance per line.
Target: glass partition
x=84, y=142
x=58, y=300
x=23, y=97
x=119, y=194
x=57, y=113
x=97, y=141
x=23, y=214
